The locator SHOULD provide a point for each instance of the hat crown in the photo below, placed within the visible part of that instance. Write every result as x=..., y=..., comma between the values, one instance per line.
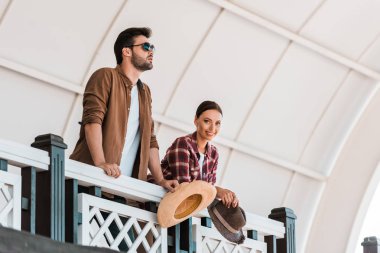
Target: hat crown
x=234, y=216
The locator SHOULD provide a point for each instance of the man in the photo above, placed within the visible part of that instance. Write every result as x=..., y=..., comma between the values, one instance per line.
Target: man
x=117, y=132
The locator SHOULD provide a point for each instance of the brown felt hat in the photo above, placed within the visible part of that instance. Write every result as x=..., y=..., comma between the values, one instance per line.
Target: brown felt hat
x=187, y=200
x=228, y=221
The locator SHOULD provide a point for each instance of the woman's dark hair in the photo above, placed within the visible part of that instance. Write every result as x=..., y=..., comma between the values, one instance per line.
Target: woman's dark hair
x=208, y=105
x=127, y=38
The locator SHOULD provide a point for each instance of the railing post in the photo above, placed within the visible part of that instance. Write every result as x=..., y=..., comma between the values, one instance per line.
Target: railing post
x=72, y=217
x=186, y=237
x=50, y=189
x=286, y=216
x=3, y=165
x=371, y=245
x=28, y=214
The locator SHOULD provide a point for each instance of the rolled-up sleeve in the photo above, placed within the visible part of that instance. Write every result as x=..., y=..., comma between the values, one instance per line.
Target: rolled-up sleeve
x=95, y=97
x=153, y=139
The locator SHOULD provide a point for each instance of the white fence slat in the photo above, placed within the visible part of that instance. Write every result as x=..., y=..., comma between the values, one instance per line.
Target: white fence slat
x=10, y=187
x=136, y=217
x=213, y=241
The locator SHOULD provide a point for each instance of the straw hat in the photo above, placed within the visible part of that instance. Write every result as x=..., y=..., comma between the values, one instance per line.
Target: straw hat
x=228, y=221
x=187, y=200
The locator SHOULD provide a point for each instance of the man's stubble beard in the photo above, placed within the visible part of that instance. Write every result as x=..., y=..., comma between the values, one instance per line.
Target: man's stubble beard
x=140, y=63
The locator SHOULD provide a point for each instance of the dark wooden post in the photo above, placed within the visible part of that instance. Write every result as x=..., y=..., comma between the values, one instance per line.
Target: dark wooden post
x=181, y=237
x=206, y=222
x=371, y=245
x=288, y=243
x=3, y=165
x=72, y=218
x=50, y=190
x=271, y=243
x=174, y=239
x=252, y=234
x=28, y=214
x=186, y=237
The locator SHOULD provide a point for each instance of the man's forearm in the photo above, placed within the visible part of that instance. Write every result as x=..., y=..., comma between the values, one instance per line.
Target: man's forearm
x=154, y=165
x=94, y=139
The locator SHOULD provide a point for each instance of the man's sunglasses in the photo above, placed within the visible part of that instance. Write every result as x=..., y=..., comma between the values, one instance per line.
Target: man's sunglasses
x=146, y=46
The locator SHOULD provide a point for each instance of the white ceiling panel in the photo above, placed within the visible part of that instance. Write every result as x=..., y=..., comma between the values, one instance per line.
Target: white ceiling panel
x=334, y=125
x=371, y=57
x=165, y=137
x=176, y=35
x=260, y=186
x=248, y=55
x=31, y=108
x=72, y=132
x=303, y=198
x=224, y=155
x=3, y=6
x=345, y=26
x=55, y=37
x=292, y=103
x=290, y=14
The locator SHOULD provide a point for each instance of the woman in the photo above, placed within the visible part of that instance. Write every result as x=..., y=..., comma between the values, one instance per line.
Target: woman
x=193, y=157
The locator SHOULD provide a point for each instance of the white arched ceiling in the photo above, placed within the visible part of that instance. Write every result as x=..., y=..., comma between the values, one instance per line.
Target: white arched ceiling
x=297, y=81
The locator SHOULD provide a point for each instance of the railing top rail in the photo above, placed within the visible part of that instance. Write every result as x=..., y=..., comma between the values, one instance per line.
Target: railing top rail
x=21, y=155
x=128, y=187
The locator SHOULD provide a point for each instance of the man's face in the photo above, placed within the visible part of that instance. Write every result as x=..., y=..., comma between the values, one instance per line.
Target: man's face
x=141, y=58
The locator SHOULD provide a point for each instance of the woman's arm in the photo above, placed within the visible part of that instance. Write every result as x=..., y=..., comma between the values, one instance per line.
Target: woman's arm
x=227, y=197
x=155, y=169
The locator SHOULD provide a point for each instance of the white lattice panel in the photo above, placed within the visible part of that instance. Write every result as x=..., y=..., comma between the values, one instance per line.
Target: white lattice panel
x=211, y=241
x=10, y=200
x=95, y=228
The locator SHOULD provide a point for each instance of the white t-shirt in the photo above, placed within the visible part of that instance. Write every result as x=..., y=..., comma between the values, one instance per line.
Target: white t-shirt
x=132, y=139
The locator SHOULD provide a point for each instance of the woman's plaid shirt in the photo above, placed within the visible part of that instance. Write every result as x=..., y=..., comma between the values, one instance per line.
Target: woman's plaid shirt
x=181, y=161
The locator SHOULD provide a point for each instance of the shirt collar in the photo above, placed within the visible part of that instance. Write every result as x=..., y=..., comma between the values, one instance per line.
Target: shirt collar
x=195, y=147
x=129, y=83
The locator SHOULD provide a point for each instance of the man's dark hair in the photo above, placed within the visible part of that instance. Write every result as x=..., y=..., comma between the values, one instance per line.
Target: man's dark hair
x=127, y=38
x=208, y=105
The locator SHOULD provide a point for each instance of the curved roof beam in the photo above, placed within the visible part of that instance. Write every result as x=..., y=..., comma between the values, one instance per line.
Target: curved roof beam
x=297, y=38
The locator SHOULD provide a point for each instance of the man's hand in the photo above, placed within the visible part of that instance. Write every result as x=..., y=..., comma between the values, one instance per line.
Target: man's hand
x=111, y=169
x=170, y=185
x=227, y=197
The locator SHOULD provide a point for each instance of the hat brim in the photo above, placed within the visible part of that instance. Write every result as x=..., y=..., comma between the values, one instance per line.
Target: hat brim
x=166, y=213
x=237, y=238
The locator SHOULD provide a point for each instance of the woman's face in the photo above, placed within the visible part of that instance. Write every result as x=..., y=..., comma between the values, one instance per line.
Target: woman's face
x=208, y=124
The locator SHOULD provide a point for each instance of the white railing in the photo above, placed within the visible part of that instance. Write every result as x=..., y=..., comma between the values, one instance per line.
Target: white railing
x=208, y=239
x=20, y=155
x=10, y=200
x=132, y=225
x=123, y=186
x=98, y=213
x=16, y=155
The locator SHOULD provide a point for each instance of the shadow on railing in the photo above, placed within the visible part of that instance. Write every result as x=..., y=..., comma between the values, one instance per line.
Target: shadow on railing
x=61, y=199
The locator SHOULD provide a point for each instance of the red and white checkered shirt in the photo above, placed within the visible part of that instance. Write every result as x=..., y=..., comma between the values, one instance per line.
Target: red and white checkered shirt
x=181, y=161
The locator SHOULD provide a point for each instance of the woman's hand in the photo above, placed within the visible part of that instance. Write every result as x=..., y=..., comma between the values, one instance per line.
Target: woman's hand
x=227, y=197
